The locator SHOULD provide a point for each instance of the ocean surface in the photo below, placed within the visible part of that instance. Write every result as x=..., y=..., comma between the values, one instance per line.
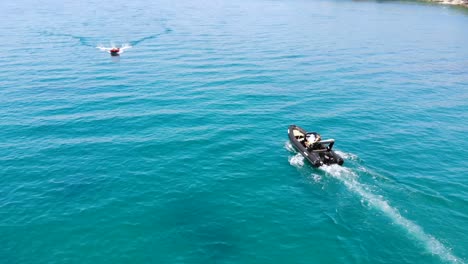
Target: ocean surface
x=177, y=151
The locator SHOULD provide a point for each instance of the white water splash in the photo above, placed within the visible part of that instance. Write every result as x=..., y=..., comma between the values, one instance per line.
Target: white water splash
x=317, y=178
x=348, y=156
x=288, y=146
x=296, y=160
x=349, y=179
x=122, y=48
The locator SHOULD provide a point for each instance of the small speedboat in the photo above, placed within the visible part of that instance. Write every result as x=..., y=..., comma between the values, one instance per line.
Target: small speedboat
x=317, y=151
x=114, y=52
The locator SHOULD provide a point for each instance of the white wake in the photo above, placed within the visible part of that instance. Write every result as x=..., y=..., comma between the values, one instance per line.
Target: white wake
x=296, y=160
x=350, y=179
x=122, y=47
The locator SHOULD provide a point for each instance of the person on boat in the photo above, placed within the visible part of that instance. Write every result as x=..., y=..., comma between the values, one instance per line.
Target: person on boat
x=312, y=140
x=114, y=51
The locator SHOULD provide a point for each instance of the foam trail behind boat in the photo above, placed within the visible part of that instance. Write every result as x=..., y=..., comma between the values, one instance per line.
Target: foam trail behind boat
x=136, y=42
x=107, y=49
x=296, y=160
x=87, y=41
x=349, y=179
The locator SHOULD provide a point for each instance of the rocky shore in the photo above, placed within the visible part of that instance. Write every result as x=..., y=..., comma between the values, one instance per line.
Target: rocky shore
x=452, y=2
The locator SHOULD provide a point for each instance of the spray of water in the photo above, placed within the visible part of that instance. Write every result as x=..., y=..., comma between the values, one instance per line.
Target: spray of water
x=348, y=156
x=296, y=160
x=289, y=147
x=122, y=47
x=350, y=179
x=87, y=41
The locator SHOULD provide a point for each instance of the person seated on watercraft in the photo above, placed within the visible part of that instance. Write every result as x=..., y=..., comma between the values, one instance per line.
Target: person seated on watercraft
x=302, y=139
x=114, y=50
x=312, y=140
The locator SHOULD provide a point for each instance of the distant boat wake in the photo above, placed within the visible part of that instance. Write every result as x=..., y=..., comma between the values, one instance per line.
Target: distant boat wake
x=91, y=42
x=136, y=42
x=350, y=179
x=85, y=41
x=122, y=48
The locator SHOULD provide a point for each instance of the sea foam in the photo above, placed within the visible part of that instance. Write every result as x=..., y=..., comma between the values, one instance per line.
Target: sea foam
x=350, y=179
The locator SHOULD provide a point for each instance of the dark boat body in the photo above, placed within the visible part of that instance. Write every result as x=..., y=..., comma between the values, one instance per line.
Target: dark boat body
x=114, y=51
x=320, y=154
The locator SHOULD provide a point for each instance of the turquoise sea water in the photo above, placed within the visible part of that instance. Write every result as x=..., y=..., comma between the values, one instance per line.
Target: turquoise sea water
x=177, y=151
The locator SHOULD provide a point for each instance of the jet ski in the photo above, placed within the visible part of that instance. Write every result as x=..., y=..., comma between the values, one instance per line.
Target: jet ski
x=317, y=151
x=114, y=52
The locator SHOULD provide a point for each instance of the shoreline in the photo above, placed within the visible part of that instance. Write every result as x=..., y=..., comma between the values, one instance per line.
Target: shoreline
x=462, y=3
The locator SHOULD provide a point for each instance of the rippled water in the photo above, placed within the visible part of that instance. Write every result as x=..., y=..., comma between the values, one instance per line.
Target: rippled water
x=177, y=152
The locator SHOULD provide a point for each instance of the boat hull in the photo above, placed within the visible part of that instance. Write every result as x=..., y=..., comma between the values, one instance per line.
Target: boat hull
x=319, y=156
